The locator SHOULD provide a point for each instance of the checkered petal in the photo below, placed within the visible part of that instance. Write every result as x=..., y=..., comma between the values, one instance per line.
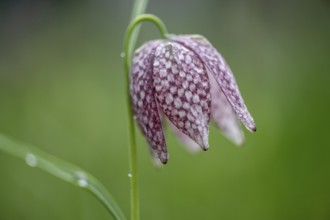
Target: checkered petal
x=187, y=142
x=190, y=145
x=223, y=114
x=143, y=98
x=183, y=90
x=221, y=72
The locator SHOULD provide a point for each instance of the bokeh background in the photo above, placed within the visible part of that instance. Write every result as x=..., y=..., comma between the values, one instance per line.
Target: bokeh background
x=62, y=89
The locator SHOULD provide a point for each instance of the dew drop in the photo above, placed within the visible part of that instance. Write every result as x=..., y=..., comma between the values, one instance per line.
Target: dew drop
x=122, y=54
x=82, y=183
x=82, y=179
x=129, y=175
x=31, y=160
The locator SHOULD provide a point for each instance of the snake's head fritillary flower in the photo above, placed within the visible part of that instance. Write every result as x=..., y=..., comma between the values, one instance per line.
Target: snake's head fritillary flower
x=186, y=80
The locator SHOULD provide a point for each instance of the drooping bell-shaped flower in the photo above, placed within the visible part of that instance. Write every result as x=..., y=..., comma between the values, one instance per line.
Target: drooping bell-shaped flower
x=185, y=79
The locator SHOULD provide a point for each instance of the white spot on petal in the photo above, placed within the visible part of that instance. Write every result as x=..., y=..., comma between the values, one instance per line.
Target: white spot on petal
x=168, y=65
x=186, y=105
x=188, y=95
x=174, y=69
x=173, y=89
x=192, y=87
x=188, y=59
x=189, y=77
x=165, y=83
x=180, y=92
x=170, y=78
x=182, y=114
x=185, y=84
x=196, y=98
x=182, y=74
x=163, y=73
x=169, y=98
x=142, y=94
x=187, y=125
x=177, y=103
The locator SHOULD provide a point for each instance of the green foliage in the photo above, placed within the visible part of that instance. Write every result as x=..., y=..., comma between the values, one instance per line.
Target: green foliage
x=62, y=170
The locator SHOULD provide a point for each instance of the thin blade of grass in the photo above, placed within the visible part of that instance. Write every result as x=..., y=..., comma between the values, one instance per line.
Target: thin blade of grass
x=62, y=170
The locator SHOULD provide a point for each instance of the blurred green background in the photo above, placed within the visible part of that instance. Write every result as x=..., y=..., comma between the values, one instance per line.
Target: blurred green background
x=62, y=89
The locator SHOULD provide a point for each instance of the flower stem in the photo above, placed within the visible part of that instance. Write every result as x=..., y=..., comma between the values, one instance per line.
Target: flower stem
x=129, y=41
x=128, y=47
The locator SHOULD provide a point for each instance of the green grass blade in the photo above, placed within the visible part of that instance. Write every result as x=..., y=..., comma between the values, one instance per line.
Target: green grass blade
x=63, y=170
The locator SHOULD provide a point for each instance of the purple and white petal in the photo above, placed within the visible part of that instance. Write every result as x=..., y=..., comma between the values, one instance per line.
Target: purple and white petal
x=223, y=114
x=221, y=72
x=191, y=145
x=187, y=142
x=183, y=90
x=144, y=102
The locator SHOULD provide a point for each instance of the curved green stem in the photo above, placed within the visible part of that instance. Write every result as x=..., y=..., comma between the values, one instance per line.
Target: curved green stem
x=128, y=35
x=128, y=49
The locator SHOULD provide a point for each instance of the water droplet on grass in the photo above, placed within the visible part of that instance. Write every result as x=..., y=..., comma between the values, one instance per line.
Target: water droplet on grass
x=31, y=160
x=122, y=54
x=82, y=179
x=129, y=175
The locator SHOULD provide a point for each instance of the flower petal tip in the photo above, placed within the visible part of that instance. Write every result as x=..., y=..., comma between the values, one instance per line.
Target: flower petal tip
x=252, y=128
x=205, y=148
x=203, y=140
x=204, y=145
x=238, y=141
x=159, y=158
x=164, y=162
x=163, y=157
x=249, y=123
